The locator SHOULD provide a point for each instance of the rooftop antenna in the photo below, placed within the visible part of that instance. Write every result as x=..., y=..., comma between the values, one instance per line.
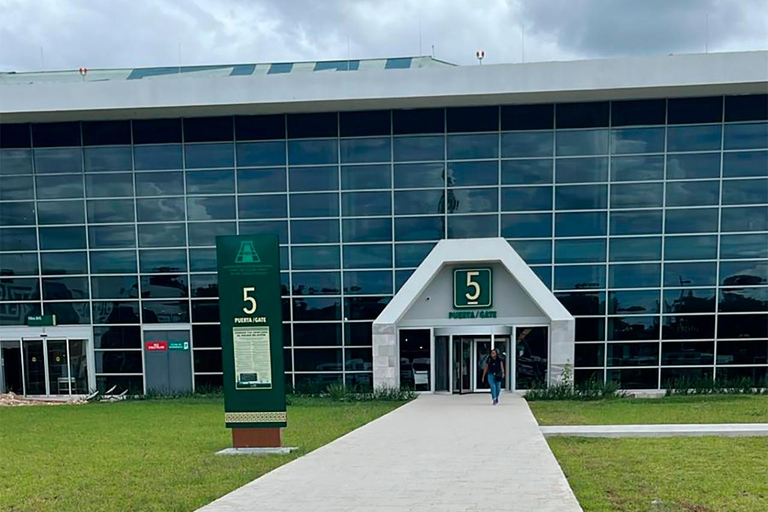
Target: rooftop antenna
x=480, y=54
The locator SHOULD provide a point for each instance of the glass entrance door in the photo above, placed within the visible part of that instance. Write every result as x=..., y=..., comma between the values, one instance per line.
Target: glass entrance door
x=34, y=367
x=482, y=353
x=54, y=367
x=462, y=365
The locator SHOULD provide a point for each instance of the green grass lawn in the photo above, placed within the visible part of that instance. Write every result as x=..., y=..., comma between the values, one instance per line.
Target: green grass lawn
x=704, y=474
x=675, y=409
x=154, y=455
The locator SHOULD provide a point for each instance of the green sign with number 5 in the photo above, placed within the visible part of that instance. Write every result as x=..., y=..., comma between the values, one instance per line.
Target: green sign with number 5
x=472, y=288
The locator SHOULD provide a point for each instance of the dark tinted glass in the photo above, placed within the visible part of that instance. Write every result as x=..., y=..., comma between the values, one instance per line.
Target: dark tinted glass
x=526, y=144
x=690, y=247
x=117, y=337
x=367, y=230
x=208, y=129
x=583, y=303
x=69, y=312
x=477, y=200
x=211, y=208
x=753, y=218
x=280, y=228
x=527, y=225
x=690, y=353
x=742, y=326
x=206, y=360
x=368, y=282
x=165, y=311
x=636, y=195
x=418, y=175
x=697, y=220
x=58, y=160
x=742, y=352
x=205, y=233
x=411, y=255
x=115, y=287
x=109, y=185
x=162, y=235
x=102, y=237
x=589, y=354
x=637, y=140
x=163, y=287
x=24, y=264
x=15, y=136
x=570, y=277
x=316, y=334
x=588, y=250
x=582, y=115
x=149, y=158
x=48, y=135
x=303, y=126
x=473, y=119
x=694, y=193
x=590, y=329
x=317, y=360
x=199, y=156
x=62, y=238
x=19, y=289
x=533, y=252
x=156, y=131
x=59, y=187
x=472, y=147
x=207, y=335
x=744, y=246
x=174, y=260
x=526, y=199
x=409, y=229
x=633, y=302
x=166, y=209
x=261, y=180
x=159, y=183
x=315, y=257
x=581, y=197
x=356, y=124
x=582, y=142
x=704, y=165
x=261, y=153
x=273, y=206
x=581, y=170
x=746, y=108
x=309, y=152
x=64, y=263
x=112, y=262
x=473, y=226
x=108, y=159
x=627, y=328
x=418, y=121
x=637, y=112
x=210, y=182
x=202, y=260
x=743, y=300
x=314, y=231
x=18, y=239
x=60, y=212
x=366, y=203
x=421, y=148
x=313, y=178
x=15, y=161
x=316, y=283
x=746, y=163
x=633, y=354
x=368, y=256
x=527, y=117
x=688, y=327
x=355, y=151
x=695, y=110
x=17, y=214
x=16, y=187
x=694, y=138
x=260, y=127
x=641, y=275
x=317, y=308
x=364, y=308
x=104, y=133
x=693, y=274
x=745, y=191
x=635, y=249
x=204, y=285
x=746, y=136
x=636, y=222
x=637, y=168
x=580, y=224
x=314, y=205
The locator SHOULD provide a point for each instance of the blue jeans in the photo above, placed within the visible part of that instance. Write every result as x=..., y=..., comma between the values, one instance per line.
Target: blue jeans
x=495, y=386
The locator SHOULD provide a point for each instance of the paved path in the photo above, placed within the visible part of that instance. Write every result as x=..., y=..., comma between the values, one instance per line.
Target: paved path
x=689, y=430
x=438, y=453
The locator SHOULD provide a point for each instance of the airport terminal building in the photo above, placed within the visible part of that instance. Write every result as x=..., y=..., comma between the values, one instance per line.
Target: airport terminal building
x=609, y=216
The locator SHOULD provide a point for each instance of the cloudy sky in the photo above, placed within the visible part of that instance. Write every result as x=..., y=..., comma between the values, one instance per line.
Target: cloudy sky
x=66, y=34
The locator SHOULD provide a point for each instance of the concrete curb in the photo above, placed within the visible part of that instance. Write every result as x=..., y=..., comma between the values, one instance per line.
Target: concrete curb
x=683, y=430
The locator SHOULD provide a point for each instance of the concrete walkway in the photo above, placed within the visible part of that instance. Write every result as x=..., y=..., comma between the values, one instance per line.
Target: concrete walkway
x=438, y=453
x=672, y=430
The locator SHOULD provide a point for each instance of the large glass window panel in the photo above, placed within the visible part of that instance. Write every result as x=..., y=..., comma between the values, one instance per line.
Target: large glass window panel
x=582, y=142
x=737, y=300
x=626, y=328
x=307, y=152
x=745, y=163
x=104, y=237
x=205, y=233
x=637, y=140
x=316, y=283
x=300, y=126
x=689, y=300
x=418, y=202
x=693, y=274
x=633, y=302
x=411, y=255
x=693, y=138
x=693, y=166
x=203, y=156
x=261, y=180
x=641, y=275
x=527, y=117
x=362, y=123
x=317, y=360
x=581, y=170
x=271, y=206
x=633, y=354
x=16, y=187
x=211, y=208
x=164, y=287
x=367, y=230
x=472, y=147
x=746, y=136
x=371, y=282
x=745, y=191
x=163, y=262
x=401, y=276
x=583, y=303
x=743, y=272
x=17, y=214
x=420, y=120
x=314, y=231
x=316, y=334
x=62, y=238
x=636, y=222
x=637, y=168
x=752, y=107
x=150, y=158
x=634, y=378
x=112, y=262
x=589, y=354
x=467, y=174
x=688, y=327
x=695, y=110
x=103, y=159
x=368, y=256
x=582, y=115
x=364, y=308
x=580, y=250
x=159, y=184
x=355, y=151
x=60, y=212
x=206, y=285
x=15, y=161
x=361, y=177
x=419, y=175
x=313, y=178
x=162, y=235
x=526, y=172
x=693, y=193
x=635, y=249
x=526, y=144
x=419, y=149
x=115, y=287
x=315, y=205
x=590, y=329
x=59, y=187
x=279, y=228
x=581, y=197
x=544, y=273
x=17, y=314
x=744, y=246
x=636, y=195
x=520, y=199
x=580, y=224
x=699, y=220
x=688, y=353
x=480, y=200
x=473, y=226
x=109, y=185
x=117, y=337
x=111, y=210
x=210, y=182
x=202, y=260
x=690, y=247
x=260, y=153
x=742, y=352
x=205, y=129
x=58, y=161
x=54, y=263
x=366, y=203
x=753, y=218
x=526, y=225
x=742, y=326
x=409, y=229
x=18, y=239
x=533, y=252
x=315, y=257
x=65, y=288
x=313, y=309
x=165, y=311
x=576, y=277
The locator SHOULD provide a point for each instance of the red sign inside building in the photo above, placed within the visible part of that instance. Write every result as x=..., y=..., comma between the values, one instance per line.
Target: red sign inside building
x=156, y=346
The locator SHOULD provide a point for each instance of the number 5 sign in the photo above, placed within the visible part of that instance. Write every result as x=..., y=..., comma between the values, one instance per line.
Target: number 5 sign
x=472, y=288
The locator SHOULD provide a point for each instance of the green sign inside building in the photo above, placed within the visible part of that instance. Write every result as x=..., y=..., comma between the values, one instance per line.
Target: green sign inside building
x=251, y=331
x=472, y=288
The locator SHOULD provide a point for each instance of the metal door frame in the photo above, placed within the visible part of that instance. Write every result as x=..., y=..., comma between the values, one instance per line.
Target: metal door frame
x=45, y=340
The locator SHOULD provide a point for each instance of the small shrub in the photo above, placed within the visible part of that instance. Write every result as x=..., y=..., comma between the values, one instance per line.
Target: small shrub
x=592, y=389
x=336, y=392
x=704, y=386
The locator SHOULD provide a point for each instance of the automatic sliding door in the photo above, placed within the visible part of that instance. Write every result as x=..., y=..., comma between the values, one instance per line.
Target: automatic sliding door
x=442, y=362
x=34, y=367
x=58, y=372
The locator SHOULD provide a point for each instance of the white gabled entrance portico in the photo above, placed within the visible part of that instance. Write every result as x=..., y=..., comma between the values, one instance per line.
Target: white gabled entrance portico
x=467, y=297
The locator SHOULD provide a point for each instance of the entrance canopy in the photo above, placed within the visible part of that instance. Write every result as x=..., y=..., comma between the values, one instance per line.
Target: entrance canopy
x=471, y=286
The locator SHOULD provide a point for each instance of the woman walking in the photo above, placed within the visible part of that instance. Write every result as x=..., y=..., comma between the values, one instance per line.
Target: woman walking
x=494, y=370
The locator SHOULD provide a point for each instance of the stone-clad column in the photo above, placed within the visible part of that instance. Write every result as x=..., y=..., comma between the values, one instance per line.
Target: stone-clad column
x=385, y=356
x=561, y=348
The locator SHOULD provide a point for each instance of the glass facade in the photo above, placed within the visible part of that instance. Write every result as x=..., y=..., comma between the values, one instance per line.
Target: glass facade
x=648, y=219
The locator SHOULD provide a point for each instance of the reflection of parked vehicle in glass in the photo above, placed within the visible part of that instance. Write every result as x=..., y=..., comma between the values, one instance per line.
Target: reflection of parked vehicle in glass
x=421, y=371
x=358, y=365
